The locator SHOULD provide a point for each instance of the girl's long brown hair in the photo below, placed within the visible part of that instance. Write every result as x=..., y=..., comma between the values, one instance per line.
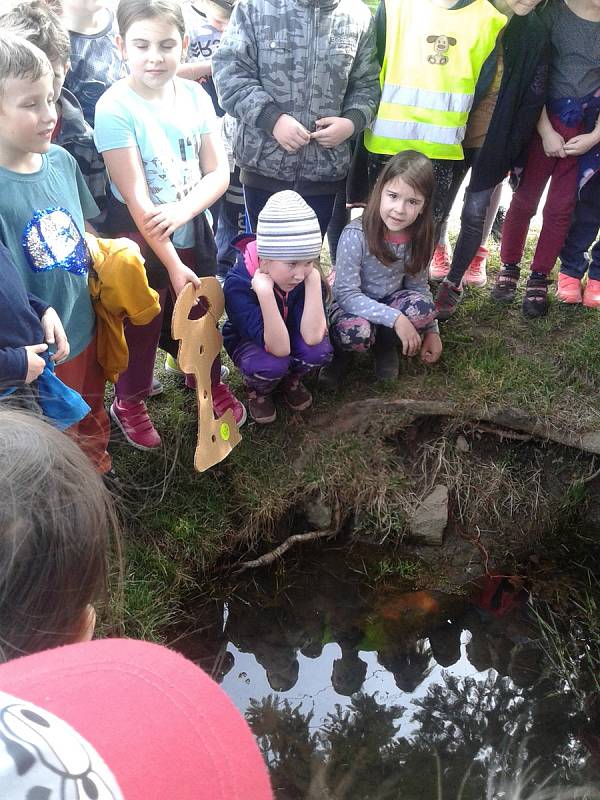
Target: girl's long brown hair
x=416, y=170
x=59, y=536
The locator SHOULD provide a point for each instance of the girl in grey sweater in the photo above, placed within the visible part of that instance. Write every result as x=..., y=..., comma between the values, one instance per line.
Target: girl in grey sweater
x=381, y=294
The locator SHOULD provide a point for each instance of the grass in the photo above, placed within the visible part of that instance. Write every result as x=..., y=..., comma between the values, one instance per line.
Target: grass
x=181, y=527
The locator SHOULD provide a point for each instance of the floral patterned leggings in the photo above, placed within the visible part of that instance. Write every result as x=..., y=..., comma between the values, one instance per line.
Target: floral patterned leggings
x=349, y=332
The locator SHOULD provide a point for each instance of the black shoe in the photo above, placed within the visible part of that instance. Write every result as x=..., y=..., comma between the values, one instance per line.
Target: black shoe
x=385, y=349
x=112, y=481
x=331, y=374
x=535, y=302
x=505, y=289
x=498, y=224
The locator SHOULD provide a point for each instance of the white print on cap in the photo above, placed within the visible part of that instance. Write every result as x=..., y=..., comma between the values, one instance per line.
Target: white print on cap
x=44, y=758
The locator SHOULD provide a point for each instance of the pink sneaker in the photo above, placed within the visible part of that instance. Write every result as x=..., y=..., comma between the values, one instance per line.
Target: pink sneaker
x=568, y=289
x=223, y=399
x=476, y=272
x=440, y=263
x=135, y=424
x=591, y=294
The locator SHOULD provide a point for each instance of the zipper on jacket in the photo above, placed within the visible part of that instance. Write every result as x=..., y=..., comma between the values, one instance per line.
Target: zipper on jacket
x=312, y=63
x=284, y=306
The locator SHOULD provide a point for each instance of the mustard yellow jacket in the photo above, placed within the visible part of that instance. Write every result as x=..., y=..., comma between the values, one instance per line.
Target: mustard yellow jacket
x=119, y=290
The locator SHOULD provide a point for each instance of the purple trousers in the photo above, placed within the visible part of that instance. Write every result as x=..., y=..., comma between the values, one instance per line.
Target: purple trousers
x=263, y=371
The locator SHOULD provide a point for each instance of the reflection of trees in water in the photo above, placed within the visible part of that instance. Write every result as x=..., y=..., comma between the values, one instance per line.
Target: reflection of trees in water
x=472, y=736
x=467, y=734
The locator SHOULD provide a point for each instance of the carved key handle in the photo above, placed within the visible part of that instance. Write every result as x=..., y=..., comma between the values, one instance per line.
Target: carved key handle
x=199, y=345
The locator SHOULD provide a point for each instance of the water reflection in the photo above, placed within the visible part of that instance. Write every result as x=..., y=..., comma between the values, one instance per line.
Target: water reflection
x=358, y=690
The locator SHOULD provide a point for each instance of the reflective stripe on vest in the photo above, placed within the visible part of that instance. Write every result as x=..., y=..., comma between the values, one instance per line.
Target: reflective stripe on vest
x=418, y=131
x=424, y=98
x=432, y=62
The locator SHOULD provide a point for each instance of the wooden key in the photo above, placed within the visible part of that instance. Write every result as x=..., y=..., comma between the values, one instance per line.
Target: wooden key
x=200, y=343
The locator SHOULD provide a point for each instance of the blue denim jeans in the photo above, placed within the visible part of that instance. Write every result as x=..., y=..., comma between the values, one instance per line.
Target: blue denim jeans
x=230, y=223
x=574, y=257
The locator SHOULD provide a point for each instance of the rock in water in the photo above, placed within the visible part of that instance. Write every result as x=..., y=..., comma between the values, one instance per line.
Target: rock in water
x=431, y=517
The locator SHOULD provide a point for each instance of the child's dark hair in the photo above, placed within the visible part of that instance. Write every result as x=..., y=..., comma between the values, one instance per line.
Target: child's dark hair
x=58, y=530
x=35, y=21
x=416, y=170
x=130, y=11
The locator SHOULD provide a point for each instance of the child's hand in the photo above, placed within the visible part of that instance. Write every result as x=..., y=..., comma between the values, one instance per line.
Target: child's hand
x=332, y=131
x=313, y=276
x=431, y=349
x=164, y=220
x=35, y=363
x=54, y=333
x=579, y=145
x=183, y=276
x=261, y=282
x=553, y=144
x=408, y=335
x=290, y=134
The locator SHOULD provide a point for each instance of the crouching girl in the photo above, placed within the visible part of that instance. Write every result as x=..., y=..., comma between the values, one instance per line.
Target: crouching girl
x=276, y=329
x=381, y=295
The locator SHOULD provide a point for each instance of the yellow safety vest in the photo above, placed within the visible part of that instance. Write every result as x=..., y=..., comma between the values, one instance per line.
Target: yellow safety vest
x=433, y=57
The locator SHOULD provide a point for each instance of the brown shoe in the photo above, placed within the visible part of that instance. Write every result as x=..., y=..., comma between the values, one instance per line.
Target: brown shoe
x=261, y=407
x=295, y=394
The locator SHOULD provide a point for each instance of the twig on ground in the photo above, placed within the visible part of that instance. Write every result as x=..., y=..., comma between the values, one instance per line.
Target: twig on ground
x=297, y=538
x=591, y=477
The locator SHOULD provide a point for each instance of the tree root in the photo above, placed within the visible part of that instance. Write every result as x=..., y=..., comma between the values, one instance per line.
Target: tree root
x=359, y=414
x=297, y=538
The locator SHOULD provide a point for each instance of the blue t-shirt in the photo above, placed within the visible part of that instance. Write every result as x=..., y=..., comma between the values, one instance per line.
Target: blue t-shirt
x=96, y=64
x=167, y=136
x=42, y=218
x=204, y=42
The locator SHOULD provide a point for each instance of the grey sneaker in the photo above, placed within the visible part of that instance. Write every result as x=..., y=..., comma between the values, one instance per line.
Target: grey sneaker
x=446, y=300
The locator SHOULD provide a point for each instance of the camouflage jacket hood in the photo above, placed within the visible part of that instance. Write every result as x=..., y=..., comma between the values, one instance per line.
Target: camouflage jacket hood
x=305, y=58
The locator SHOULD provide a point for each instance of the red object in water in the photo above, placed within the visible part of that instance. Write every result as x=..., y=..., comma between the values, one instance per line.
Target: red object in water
x=499, y=594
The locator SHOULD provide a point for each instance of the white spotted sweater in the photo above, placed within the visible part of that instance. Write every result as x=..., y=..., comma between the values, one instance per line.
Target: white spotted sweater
x=361, y=281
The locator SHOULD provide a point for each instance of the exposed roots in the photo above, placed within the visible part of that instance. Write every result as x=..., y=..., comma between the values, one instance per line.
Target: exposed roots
x=298, y=538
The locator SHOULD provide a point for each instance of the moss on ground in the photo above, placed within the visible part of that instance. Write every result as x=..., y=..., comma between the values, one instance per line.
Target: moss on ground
x=180, y=524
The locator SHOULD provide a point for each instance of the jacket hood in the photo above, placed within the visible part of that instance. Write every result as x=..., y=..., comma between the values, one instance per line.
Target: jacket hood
x=246, y=244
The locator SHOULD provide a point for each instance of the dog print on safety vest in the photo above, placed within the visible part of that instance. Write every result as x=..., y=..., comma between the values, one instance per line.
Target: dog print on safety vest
x=441, y=47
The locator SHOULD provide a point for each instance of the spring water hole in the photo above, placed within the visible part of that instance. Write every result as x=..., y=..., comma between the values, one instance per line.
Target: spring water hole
x=358, y=689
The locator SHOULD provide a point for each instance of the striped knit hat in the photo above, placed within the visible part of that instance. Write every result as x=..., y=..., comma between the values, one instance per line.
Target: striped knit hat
x=288, y=229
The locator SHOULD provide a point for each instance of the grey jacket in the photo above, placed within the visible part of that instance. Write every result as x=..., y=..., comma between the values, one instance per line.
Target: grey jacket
x=306, y=58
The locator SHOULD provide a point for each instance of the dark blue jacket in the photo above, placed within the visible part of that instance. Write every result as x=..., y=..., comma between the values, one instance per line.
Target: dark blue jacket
x=20, y=315
x=244, y=316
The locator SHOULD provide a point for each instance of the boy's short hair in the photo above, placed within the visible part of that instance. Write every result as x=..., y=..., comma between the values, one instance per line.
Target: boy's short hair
x=21, y=59
x=35, y=21
x=224, y=7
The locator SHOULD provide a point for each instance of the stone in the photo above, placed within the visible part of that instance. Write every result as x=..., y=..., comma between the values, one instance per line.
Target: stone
x=319, y=514
x=431, y=517
x=462, y=444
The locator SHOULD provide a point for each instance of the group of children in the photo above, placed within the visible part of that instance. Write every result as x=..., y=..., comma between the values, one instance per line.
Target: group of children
x=133, y=124
x=106, y=128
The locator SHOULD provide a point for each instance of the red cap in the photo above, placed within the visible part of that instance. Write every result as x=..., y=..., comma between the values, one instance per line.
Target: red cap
x=165, y=730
